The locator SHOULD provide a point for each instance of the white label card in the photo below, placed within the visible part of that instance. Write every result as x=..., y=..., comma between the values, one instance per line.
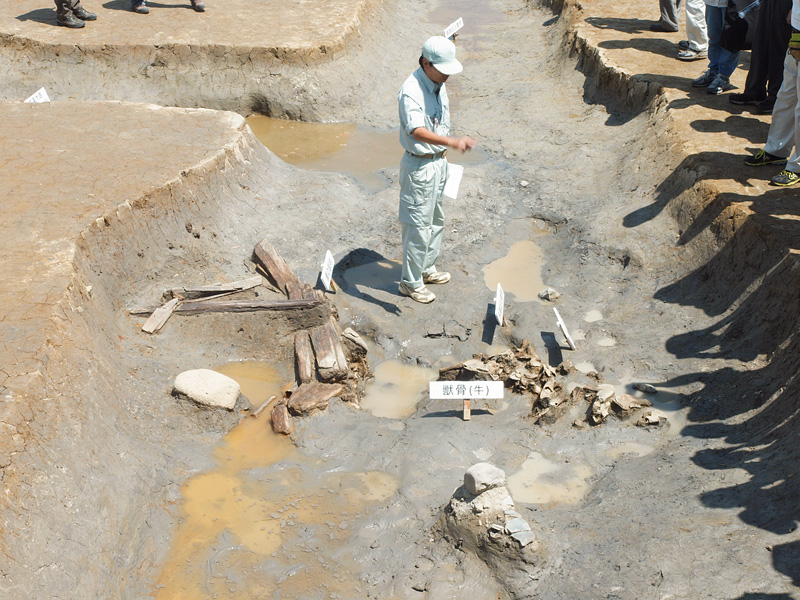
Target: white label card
x=454, y=173
x=453, y=27
x=499, y=301
x=466, y=390
x=563, y=327
x=327, y=271
x=39, y=96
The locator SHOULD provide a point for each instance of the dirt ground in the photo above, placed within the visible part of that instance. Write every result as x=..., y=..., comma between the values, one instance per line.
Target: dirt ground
x=676, y=267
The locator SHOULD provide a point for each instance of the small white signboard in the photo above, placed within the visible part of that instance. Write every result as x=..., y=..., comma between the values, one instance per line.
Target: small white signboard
x=453, y=27
x=466, y=390
x=563, y=327
x=39, y=96
x=327, y=271
x=454, y=173
x=499, y=302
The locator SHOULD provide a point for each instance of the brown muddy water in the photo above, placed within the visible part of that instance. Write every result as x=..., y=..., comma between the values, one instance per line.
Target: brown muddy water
x=339, y=147
x=263, y=496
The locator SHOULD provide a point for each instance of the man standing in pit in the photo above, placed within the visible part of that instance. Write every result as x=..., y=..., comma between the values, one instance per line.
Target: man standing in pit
x=424, y=135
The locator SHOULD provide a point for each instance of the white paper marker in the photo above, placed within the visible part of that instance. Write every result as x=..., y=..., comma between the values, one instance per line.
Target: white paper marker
x=454, y=173
x=563, y=327
x=465, y=390
x=499, y=301
x=39, y=96
x=327, y=271
x=453, y=27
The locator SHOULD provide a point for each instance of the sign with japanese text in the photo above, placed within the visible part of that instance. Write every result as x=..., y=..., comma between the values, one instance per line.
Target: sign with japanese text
x=453, y=27
x=563, y=327
x=39, y=96
x=327, y=271
x=499, y=301
x=466, y=390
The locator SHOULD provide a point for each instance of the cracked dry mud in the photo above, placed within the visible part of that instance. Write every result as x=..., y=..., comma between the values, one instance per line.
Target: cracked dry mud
x=102, y=469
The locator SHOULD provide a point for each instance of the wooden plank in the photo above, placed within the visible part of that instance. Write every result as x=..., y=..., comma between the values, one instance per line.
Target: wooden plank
x=281, y=419
x=160, y=316
x=234, y=306
x=336, y=335
x=313, y=396
x=324, y=341
x=276, y=267
x=304, y=357
x=216, y=288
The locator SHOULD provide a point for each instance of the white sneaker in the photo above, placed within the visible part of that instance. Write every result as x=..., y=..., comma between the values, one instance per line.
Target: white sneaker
x=420, y=294
x=436, y=277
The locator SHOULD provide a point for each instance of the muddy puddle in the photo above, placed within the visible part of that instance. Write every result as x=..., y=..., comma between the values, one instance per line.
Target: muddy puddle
x=397, y=389
x=258, y=380
x=519, y=272
x=267, y=521
x=339, y=147
x=541, y=480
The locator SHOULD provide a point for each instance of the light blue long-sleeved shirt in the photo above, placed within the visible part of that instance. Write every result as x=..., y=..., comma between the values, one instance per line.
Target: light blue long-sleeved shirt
x=422, y=103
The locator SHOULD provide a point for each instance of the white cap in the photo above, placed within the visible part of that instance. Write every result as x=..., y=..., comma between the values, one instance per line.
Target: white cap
x=441, y=53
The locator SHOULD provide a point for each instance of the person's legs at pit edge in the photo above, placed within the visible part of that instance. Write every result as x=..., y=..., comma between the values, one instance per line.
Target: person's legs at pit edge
x=784, y=126
x=696, y=32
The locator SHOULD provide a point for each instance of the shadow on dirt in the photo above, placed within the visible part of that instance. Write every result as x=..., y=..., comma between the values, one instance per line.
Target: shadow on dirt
x=752, y=411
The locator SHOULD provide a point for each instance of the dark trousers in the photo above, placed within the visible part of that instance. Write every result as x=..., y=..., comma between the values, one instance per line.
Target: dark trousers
x=65, y=7
x=670, y=13
x=769, y=49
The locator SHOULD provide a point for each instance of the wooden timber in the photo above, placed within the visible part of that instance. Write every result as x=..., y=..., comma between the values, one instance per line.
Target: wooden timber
x=281, y=419
x=235, y=306
x=160, y=316
x=303, y=356
x=276, y=267
x=331, y=361
x=313, y=396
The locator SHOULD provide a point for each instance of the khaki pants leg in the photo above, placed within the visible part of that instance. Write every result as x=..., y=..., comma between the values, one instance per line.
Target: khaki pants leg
x=421, y=215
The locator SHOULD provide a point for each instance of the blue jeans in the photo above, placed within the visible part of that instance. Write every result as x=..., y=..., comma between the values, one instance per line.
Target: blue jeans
x=720, y=60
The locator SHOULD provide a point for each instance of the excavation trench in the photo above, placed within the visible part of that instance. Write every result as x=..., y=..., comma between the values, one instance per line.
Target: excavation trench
x=114, y=488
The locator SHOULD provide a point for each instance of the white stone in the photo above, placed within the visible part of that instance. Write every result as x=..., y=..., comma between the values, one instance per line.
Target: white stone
x=208, y=388
x=483, y=476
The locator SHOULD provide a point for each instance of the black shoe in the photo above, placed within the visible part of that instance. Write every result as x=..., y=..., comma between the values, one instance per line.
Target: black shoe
x=659, y=27
x=742, y=99
x=705, y=79
x=761, y=158
x=765, y=106
x=684, y=44
x=198, y=5
x=70, y=21
x=83, y=14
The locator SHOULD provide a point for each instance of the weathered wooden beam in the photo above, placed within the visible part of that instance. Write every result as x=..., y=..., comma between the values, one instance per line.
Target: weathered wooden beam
x=276, y=267
x=331, y=364
x=234, y=306
x=200, y=291
x=313, y=396
x=281, y=419
x=303, y=356
x=160, y=316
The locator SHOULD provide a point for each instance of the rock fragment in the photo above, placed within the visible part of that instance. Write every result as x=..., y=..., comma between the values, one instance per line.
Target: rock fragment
x=653, y=417
x=626, y=404
x=549, y=294
x=207, y=388
x=483, y=476
x=645, y=387
x=313, y=396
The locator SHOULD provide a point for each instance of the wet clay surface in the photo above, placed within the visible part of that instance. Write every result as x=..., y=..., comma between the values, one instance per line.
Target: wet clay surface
x=698, y=508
